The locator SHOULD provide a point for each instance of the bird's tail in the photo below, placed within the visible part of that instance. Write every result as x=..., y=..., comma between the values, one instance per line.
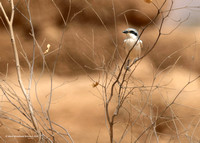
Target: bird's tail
x=126, y=66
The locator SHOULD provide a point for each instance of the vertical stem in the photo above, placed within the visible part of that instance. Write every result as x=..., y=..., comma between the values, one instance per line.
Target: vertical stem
x=30, y=107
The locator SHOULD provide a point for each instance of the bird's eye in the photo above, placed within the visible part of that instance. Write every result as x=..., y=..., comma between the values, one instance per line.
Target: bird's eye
x=133, y=32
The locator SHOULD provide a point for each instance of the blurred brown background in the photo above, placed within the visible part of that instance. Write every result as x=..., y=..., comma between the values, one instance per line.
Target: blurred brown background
x=94, y=30
x=91, y=28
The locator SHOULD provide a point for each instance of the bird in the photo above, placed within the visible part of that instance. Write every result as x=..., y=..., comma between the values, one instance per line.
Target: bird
x=130, y=44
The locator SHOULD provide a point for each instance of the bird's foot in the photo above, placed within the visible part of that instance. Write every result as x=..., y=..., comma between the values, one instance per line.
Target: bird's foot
x=135, y=60
x=128, y=68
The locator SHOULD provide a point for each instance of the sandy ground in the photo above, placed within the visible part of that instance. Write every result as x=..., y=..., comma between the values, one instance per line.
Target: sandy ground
x=78, y=107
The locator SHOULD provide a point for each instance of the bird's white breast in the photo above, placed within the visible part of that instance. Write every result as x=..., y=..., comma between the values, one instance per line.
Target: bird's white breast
x=129, y=43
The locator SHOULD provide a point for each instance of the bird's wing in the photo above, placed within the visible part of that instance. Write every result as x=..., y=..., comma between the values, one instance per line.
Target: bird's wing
x=141, y=44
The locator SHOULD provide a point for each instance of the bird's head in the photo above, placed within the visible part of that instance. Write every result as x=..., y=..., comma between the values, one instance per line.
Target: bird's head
x=131, y=33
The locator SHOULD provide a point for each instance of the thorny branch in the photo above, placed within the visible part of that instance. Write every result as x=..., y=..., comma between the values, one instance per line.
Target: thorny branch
x=121, y=80
x=26, y=94
x=44, y=131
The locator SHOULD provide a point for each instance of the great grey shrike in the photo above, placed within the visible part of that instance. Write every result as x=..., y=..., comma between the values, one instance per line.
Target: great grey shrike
x=129, y=42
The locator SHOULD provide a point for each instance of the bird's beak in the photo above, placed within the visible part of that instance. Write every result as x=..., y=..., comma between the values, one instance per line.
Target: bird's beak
x=125, y=32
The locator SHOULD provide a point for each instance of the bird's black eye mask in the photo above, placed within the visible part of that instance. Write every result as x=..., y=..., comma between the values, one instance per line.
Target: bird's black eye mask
x=133, y=32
